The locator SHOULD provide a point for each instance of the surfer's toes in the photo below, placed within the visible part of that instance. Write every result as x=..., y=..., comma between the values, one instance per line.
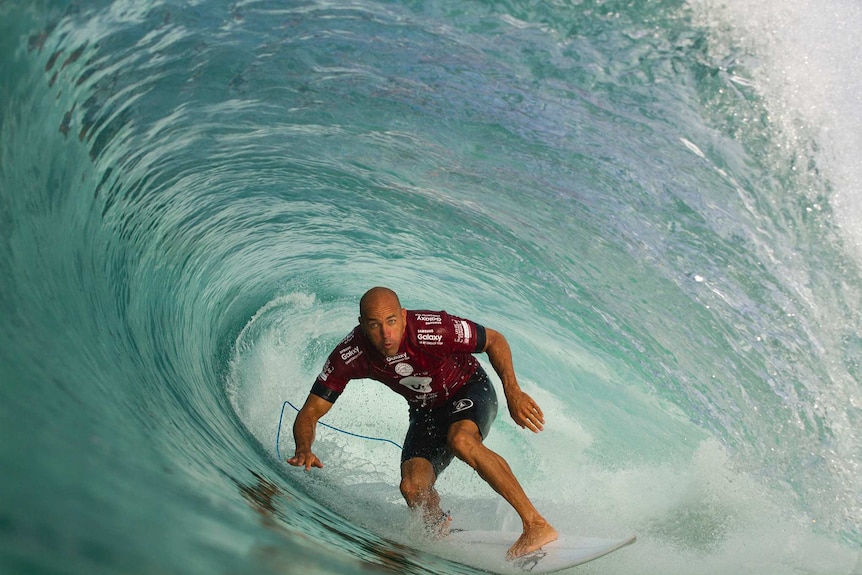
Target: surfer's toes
x=532, y=539
x=439, y=527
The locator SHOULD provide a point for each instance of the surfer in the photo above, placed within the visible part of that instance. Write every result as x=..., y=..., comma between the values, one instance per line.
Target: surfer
x=427, y=356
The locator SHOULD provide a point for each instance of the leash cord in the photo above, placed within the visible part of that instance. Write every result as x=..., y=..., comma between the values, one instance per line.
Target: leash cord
x=281, y=417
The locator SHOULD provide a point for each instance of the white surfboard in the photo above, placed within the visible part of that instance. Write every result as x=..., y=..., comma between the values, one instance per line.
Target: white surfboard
x=487, y=550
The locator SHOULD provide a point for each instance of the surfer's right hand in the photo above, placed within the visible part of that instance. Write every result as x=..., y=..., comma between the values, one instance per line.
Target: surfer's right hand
x=305, y=459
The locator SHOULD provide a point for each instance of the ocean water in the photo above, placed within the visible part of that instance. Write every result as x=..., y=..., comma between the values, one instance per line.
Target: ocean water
x=658, y=203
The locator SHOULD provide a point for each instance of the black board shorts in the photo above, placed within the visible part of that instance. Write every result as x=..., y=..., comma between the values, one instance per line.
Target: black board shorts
x=429, y=428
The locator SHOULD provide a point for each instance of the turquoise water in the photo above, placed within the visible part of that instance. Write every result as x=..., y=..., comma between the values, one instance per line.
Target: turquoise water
x=657, y=202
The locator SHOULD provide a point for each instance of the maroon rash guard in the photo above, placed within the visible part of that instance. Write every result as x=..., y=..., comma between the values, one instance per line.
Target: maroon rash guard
x=434, y=361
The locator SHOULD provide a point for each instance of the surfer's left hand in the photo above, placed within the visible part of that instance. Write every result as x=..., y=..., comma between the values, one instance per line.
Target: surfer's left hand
x=525, y=411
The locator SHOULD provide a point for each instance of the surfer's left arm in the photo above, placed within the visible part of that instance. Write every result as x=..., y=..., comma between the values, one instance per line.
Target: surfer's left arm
x=523, y=409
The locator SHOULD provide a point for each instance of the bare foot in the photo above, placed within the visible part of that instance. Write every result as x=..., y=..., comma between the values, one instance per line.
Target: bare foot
x=534, y=537
x=437, y=526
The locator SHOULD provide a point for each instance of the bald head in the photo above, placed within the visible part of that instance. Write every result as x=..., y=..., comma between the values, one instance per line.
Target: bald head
x=383, y=319
x=377, y=297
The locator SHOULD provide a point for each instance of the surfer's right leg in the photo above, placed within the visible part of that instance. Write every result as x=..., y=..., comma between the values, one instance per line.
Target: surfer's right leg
x=417, y=487
x=423, y=458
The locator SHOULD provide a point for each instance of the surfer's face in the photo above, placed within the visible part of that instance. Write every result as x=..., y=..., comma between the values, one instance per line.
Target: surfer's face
x=383, y=321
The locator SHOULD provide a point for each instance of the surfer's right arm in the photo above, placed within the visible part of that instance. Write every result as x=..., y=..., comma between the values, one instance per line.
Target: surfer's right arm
x=303, y=431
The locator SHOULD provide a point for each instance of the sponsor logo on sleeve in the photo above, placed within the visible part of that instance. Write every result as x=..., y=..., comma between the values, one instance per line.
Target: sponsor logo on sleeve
x=350, y=354
x=463, y=333
x=326, y=371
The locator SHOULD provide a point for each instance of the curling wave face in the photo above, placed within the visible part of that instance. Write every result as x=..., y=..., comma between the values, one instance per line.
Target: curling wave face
x=193, y=197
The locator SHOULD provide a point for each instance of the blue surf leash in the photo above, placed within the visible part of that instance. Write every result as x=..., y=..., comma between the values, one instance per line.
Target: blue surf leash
x=281, y=417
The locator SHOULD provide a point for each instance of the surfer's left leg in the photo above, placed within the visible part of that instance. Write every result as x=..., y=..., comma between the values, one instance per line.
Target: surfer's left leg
x=465, y=441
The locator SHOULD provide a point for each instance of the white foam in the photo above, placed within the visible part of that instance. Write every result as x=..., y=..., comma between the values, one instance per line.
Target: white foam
x=808, y=70
x=810, y=76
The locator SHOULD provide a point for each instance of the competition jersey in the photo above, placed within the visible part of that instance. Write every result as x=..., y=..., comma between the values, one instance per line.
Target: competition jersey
x=434, y=360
